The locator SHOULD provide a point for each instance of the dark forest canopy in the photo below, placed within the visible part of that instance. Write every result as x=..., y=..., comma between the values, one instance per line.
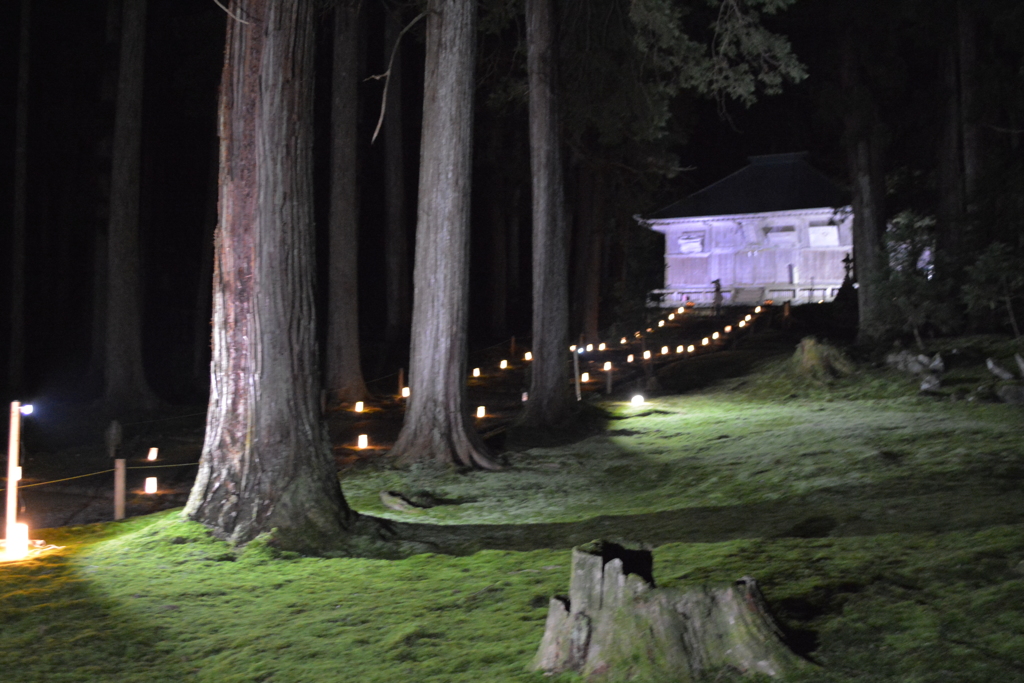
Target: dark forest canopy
x=937, y=88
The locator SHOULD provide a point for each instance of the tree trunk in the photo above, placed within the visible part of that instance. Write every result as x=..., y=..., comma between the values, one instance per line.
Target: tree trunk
x=437, y=426
x=344, y=374
x=589, y=249
x=969, y=125
x=124, y=378
x=615, y=625
x=204, y=290
x=396, y=256
x=16, y=350
x=549, y=398
x=950, y=162
x=266, y=461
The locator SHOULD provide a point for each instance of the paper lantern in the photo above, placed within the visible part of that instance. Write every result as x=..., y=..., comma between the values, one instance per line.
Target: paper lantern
x=680, y=349
x=406, y=392
x=503, y=364
x=647, y=355
x=528, y=356
x=481, y=411
x=150, y=485
x=629, y=358
x=152, y=453
x=359, y=406
x=585, y=377
x=476, y=372
x=607, y=365
x=363, y=441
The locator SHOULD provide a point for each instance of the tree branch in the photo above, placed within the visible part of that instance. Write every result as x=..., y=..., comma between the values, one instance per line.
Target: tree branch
x=387, y=74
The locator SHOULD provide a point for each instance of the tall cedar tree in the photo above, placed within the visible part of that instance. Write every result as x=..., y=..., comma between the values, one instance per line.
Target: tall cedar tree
x=344, y=374
x=16, y=351
x=549, y=398
x=437, y=427
x=125, y=383
x=266, y=461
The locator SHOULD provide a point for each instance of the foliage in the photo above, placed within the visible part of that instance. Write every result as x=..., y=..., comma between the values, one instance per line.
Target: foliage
x=995, y=279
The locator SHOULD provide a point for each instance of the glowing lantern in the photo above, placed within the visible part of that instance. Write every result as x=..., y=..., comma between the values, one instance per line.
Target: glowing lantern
x=359, y=406
x=150, y=485
x=680, y=349
x=664, y=350
x=572, y=348
x=629, y=358
x=503, y=364
x=714, y=336
x=690, y=349
x=757, y=310
x=607, y=365
x=747, y=318
x=476, y=372
x=526, y=396
x=649, y=329
x=481, y=411
x=622, y=341
x=647, y=355
x=406, y=392
x=681, y=309
x=26, y=410
x=637, y=400
x=585, y=377
x=579, y=350
x=671, y=316
x=601, y=347
x=742, y=324
x=363, y=441
x=661, y=323
x=152, y=454
x=528, y=356
x=590, y=347
x=728, y=329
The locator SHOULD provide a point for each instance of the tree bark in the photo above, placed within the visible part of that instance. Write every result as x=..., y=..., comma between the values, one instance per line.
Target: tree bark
x=16, y=350
x=204, y=290
x=437, y=426
x=615, y=625
x=498, y=210
x=266, y=461
x=344, y=374
x=589, y=249
x=549, y=398
x=396, y=236
x=125, y=383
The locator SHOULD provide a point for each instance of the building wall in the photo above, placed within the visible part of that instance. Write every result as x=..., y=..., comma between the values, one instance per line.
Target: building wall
x=792, y=255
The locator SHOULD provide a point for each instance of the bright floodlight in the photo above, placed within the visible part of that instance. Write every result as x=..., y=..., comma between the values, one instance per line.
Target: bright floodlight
x=503, y=364
x=757, y=310
x=601, y=346
x=647, y=355
x=607, y=365
x=26, y=410
x=153, y=452
x=629, y=358
x=406, y=392
x=481, y=411
x=16, y=546
x=714, y=336
x=579, y=350
x=363, y=441
x=637, y=400
x=528, y=356
x=585, y=377
x=150, y=485
x=476, y=372
x=359, y=406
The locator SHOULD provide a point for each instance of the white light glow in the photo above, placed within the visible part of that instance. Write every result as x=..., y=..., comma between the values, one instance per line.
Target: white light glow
x=585, y=377
x=664, y=350
x=647, y=355
x=476, y=372
x=742, y=324
x=503, y=364
x=690, y=348
x=629, y=358
x=637, y=400
x=671, y=316
x=16, y=547
x=622, y=341
x=747, y=318
x=601, y=347
x=714, y=336
x=607, y=365
x=680, y=349
x=590, y=347
x=705, y=341
x=26, y=410
x=728, y=329
x=757, y=310
x=359, y=406
x=481, y=411
x=680, y=309
x=150, y=485
x=363, y=441
x=661, y=323
x=528, y=356
x=153, y=452
x=572, y=348
x=406, y=392
x=579, y=350
x=526, y=396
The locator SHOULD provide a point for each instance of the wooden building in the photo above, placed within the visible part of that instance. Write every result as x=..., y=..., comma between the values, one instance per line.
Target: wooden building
x=777, y=229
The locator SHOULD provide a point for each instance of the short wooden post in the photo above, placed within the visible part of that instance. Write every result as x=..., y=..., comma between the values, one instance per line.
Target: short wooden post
x=401, y=380
x=512, y=347
x=576, y=373
x=608, y=381
x=119, y=476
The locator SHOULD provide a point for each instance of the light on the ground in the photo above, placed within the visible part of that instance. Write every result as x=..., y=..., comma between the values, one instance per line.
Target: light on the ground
x=705, y=341
x=680, y=348
x=406, y=392
x=585, y=377
x=359, y=406
x=363, y=441
x=647, y=355
x=150, y=485
x=714, y=336
x=607, y=365
x=476, y=372
x=481, y=411
x=681, y=309
x=728, y=329
x=629, y=358
x=757, y=310
x=637, y=400
x=26, y=410
x=601, y=346
x=16, y=546
x=503, y=364
x=153, y=452
x=528, y=356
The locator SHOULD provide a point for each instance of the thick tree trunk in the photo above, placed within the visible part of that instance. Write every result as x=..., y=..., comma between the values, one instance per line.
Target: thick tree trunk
x=125, y=383
x=266, y=461
x=549, y=398
x=396, y=257
x=344, y=374
x=589, y=249
x=616, y=626
x=16, y=350
x=437, y=425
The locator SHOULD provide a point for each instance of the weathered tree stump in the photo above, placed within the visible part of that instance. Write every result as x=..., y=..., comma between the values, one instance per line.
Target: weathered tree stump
x=615, y=625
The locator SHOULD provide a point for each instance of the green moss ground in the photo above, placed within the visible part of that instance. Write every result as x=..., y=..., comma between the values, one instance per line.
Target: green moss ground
x=884, y=528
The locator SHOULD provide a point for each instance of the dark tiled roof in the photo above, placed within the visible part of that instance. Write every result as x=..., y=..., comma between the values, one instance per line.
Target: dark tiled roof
x=773, y=182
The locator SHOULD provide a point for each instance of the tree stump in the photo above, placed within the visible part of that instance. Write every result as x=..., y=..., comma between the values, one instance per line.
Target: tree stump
x=615, y=625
